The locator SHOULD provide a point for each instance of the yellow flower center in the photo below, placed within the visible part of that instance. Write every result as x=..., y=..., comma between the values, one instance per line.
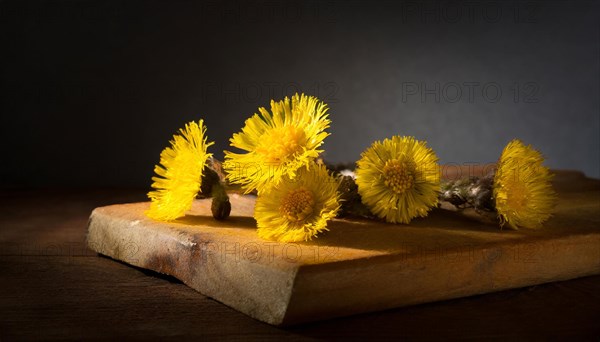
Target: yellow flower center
x=398, y=176
x=297, y=204
x=278, y=144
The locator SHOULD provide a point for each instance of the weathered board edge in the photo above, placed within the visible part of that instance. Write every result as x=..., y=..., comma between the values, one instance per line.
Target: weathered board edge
x=424, y=279
x=269, y=305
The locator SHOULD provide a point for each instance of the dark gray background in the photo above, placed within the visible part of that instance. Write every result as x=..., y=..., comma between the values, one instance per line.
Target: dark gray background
x=92, y=91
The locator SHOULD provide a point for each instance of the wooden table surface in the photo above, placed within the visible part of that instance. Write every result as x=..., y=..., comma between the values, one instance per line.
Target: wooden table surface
x=54, y=287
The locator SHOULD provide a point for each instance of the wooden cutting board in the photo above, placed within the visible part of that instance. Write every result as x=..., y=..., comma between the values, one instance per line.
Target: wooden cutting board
x=359, y=265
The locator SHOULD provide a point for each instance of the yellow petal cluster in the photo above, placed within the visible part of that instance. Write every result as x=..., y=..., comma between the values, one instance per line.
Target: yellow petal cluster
x=522, y=190
x=297, y=210
x=179, y=174
x=277, y=144
x=398, y=179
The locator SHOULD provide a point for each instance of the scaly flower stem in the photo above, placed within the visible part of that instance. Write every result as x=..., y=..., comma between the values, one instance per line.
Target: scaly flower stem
x=472, y=197
x=350, y=200
x=212, y=186
x=351, y=204
x=220, y=206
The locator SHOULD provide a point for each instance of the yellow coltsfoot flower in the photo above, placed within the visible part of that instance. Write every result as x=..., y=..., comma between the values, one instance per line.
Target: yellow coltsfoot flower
x=523, y=194
x=398, y=179
x=179, y=174
x=277, y=144
x=297, y=210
